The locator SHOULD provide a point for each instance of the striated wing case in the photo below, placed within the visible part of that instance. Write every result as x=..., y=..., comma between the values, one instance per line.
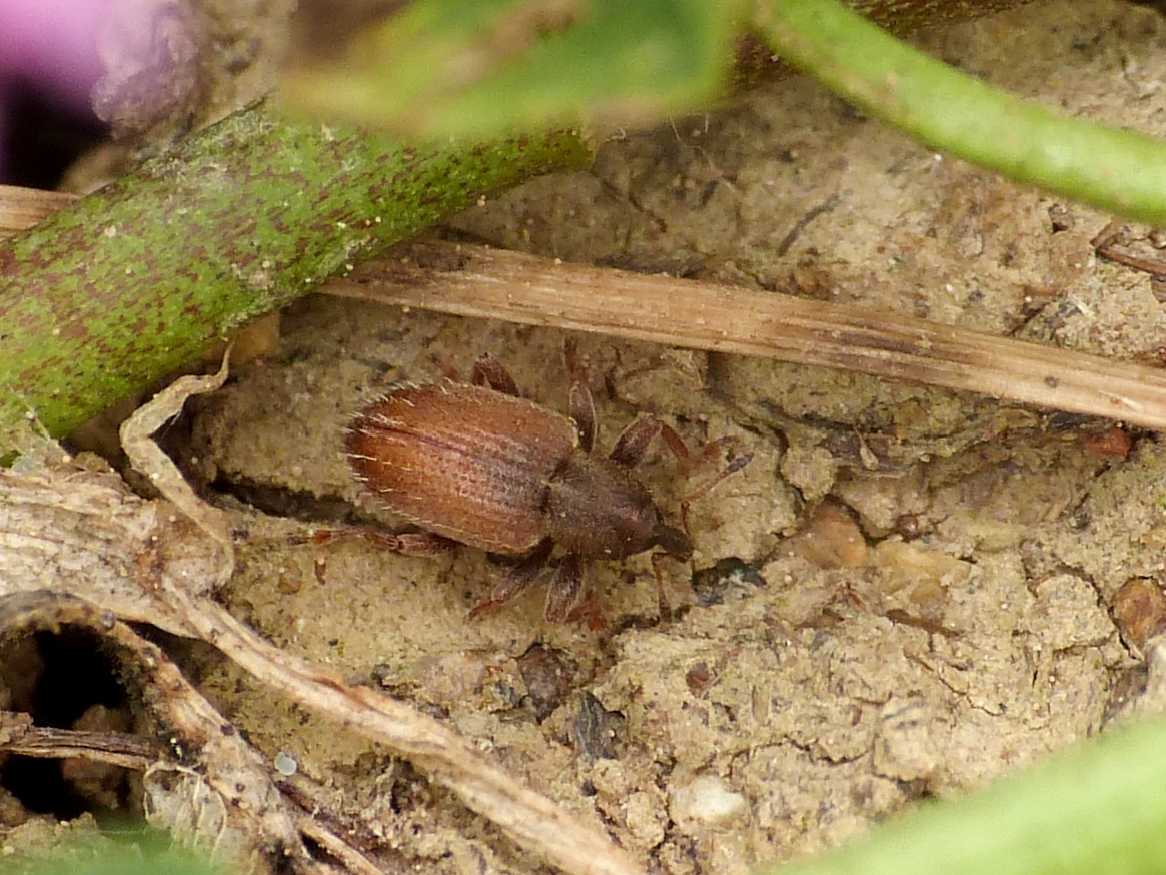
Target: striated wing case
x=465, y=462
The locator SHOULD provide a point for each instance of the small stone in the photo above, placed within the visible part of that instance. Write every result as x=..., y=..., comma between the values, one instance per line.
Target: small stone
x=547, y=674
x=831, y=540
x=706, y=802
x=699, y=678
x=1139, y=608
x=595, y=730
x=285, y=764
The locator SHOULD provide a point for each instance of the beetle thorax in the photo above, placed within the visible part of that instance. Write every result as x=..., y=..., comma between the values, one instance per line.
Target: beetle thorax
x=597, y=509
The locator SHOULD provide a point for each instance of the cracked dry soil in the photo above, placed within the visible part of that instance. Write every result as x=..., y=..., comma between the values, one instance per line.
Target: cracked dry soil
x=907, y=593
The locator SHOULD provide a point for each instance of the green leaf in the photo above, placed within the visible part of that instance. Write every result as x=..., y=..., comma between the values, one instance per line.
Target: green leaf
x=1098, y=809
x=149, y=855
x=480, y=67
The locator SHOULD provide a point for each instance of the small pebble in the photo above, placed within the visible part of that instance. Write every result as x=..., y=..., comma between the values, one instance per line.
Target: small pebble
x=285, y=764
x=707, y=801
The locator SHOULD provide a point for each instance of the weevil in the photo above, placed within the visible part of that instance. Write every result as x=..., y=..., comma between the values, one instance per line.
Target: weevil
x=478, y=464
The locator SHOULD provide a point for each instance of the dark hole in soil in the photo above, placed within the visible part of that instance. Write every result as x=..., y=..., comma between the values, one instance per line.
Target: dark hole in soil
x=42, y=136
x=74, y=675
x=730, y=575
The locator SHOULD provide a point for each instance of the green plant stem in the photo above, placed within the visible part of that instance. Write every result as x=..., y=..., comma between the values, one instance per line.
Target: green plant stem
x=1097, y=810
x=116, y=290
x=1120, y=171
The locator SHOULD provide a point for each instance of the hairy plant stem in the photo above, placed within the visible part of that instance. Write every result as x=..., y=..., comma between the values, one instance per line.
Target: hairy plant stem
x=125, y=285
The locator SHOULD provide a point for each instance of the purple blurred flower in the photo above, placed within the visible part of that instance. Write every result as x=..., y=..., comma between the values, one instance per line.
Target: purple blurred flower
x=50, y=47
x=53, y=42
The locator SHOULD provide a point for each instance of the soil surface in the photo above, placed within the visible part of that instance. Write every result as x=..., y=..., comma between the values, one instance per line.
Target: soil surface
x=908, y=591
x=905, y=594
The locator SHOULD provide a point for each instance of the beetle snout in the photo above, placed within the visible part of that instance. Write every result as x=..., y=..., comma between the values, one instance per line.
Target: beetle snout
x=674, y=541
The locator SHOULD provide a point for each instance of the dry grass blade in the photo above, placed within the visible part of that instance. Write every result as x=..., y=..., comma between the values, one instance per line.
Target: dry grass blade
x=21, y=208
x=500, y=284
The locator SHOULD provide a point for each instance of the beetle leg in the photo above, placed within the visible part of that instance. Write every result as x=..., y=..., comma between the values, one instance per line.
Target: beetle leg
x=447, y=367
x=565, y=593
x=665, y=605
x=408, y=544
x=712, y=450
x=580, y=402
x=581, y=409
x=590, y=610
x=735, y=463
x=516, y=579
x=488, y=371
x=630, y=449
x=632, y=445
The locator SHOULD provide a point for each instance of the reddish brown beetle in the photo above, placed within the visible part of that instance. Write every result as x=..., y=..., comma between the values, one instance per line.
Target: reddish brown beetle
x=478, y=464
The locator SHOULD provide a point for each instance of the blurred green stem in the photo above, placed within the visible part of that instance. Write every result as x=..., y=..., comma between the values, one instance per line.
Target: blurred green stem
x=1120, y=171
x=116, y=290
